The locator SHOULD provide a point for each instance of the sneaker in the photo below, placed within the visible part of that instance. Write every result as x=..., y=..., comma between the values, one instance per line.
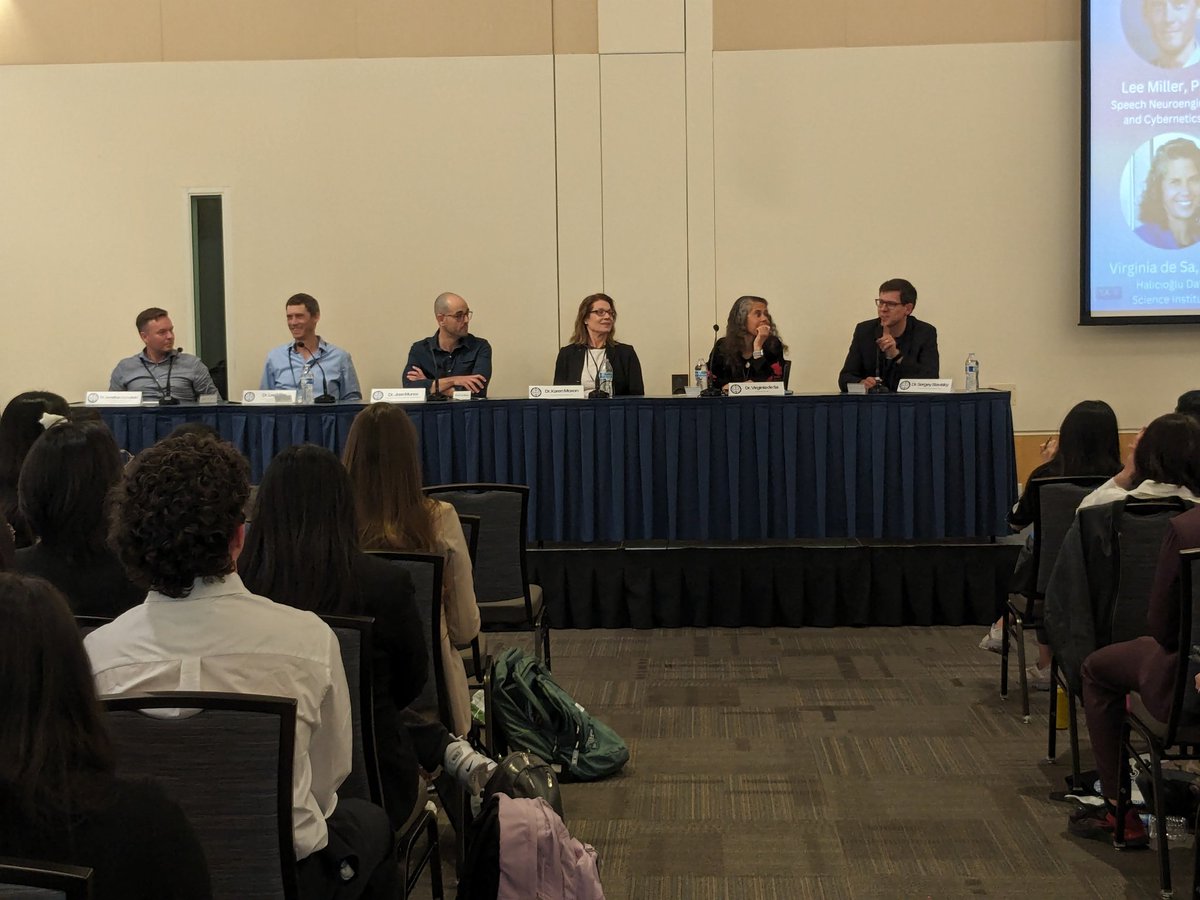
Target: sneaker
x=994, y=639
x=471, y=768
x=1038, y=679
x=1099, y=823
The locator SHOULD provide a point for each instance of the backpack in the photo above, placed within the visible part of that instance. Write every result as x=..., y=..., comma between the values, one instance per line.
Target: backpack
x=519, y=849
x=536, y=714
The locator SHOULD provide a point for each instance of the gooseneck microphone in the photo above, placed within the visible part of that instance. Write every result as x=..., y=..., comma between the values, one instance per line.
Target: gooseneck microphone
x=712, y=390
x=436, y=393
x=166, y=399
x=326, y=397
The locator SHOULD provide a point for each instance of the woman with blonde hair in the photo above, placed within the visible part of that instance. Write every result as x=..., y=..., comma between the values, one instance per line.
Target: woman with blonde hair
x=383, y=460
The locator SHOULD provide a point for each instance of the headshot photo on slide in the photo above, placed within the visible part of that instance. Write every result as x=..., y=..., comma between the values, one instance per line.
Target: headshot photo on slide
x=1160, y=191
x=1162, y=32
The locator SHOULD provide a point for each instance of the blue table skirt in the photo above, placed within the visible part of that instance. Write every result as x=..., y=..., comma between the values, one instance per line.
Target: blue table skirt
x=764, y=468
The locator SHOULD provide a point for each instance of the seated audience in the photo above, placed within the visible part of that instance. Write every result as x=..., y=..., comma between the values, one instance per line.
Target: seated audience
x=393, y=514
x=750, y=350
x=1087, y=444
x=21, y=425
x=178, y=528
x=1189, y=404
x=1146, y=665
x=64, y=500
x=59, y=798
x=1164, y=462
x=593, y=341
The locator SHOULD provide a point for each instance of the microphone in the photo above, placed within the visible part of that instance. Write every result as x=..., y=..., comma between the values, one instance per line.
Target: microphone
x=166, y=399
x=436, y=393
x=326, y=398
x=880, y=387
x=711, y=390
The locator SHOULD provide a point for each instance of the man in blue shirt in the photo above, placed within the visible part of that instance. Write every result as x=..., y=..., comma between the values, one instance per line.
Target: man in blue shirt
x=331, y=367
x=160, y=371
x=453, y=359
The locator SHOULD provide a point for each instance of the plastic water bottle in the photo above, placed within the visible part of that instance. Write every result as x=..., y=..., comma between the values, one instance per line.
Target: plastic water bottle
x=702, y=374
x=604, y=378
x=972, y=372
x=307, y=383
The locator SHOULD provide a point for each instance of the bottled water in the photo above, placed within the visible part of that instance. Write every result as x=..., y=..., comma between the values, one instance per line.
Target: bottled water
x=307, y=382
x=972, y=372
x=604, y=378
x=701, y=375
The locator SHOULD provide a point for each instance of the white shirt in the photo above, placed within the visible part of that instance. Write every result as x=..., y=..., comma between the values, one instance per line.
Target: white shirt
x=1147, y=490
x=591, y=367
x=223, y=638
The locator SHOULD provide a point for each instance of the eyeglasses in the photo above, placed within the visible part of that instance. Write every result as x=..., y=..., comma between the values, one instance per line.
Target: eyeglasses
x=888, y=304
x=460, y=316
x=602, y=313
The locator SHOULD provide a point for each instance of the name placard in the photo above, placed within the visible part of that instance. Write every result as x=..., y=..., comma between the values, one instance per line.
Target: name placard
x=269, y=398
x=925, y=386
x=113, y=398
x=556, y=392
x=460, y=395
x=398, y=395
x=755, y=388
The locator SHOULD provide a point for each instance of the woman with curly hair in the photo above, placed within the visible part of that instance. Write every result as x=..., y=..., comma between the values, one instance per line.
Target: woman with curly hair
x=751, y=349
x=59, y=798
x=1171, y=199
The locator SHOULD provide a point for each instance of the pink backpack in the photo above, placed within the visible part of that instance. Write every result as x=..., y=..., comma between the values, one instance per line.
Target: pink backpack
x=539, y=858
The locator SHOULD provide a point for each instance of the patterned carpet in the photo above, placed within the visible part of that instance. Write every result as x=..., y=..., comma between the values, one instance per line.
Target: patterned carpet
x=775, y=764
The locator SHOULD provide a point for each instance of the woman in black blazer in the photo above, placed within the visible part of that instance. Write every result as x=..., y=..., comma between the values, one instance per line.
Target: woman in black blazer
x=593, y=341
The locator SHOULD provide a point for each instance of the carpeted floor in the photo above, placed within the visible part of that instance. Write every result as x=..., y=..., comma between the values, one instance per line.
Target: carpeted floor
x=774, y=764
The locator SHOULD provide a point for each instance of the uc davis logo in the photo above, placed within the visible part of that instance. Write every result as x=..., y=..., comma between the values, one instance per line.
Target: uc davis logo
x=249, y=398
x=735, y=388
x=905, y=384
x=535, y=392
x=92, y=397
x=377, y=395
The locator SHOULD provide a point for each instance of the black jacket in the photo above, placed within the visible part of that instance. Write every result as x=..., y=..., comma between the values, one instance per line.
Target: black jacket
x=918, y=349
x=627, y=369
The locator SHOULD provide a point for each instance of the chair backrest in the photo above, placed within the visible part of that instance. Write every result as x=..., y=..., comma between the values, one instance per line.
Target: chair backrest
x=470, y=527
x=27, y=879
x=88, y=624
x=787, y=373
x=228, y=763
x=500, y=571
x=1054, y=501
x=426, y=572
x=354, y=641
x=1185, y=705
x=1141, y=527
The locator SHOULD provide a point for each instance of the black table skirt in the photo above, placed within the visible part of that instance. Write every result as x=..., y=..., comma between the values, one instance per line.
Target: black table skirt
x=765, y=468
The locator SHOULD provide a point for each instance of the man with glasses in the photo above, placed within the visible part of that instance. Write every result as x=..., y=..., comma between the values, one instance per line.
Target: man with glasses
x=892, y=346
x=453, y=359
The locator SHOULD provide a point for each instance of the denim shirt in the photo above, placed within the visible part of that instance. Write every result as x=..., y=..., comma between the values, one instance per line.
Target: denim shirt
x=284, y=365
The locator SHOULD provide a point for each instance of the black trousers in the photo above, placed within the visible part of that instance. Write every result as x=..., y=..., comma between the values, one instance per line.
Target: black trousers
x=360, y=834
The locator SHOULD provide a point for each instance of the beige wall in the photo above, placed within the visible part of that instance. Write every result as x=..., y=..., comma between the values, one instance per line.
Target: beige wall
x=663, y=151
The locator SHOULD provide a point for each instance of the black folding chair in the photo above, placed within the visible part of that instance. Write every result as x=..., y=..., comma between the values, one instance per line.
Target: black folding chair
x=27, y=879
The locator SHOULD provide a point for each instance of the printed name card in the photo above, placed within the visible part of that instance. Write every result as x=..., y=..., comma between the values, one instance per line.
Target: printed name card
x=925, y=386
x=460, y=395
x=398, y=395
x=556, y=392
x=756, y=388
x=113, y=398
x=269, y=398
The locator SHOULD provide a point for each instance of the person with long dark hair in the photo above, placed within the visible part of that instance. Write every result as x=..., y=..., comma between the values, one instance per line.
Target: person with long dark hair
x=384, y=465
x=21, y=425
x=593, y=342
x=1164, y=461
x=63, y=498
x=751, y=349
x=59, y=798
x=302, y=550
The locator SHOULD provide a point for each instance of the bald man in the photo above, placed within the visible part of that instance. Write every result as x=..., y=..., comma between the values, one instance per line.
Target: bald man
x=453, y=359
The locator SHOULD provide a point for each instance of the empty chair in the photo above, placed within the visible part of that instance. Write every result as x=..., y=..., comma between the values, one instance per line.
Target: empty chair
x=24, y=879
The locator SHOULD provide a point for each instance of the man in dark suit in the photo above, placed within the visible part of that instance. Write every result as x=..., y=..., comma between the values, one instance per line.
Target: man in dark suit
x=894, y=345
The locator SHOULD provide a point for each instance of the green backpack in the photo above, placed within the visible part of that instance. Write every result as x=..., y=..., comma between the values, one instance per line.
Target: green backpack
x=537, y=715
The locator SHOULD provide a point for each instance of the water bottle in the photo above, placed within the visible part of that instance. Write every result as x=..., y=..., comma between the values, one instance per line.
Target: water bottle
x=307, y=382
x=701, y=374
x=972, y=372
x=604, y=378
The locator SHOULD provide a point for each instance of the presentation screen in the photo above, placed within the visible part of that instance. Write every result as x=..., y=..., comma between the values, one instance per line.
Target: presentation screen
x=1141, y=162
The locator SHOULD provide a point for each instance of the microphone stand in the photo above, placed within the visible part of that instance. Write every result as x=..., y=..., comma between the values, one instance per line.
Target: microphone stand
x=711, y=390
x=326, y=398
x=436, y=394
x=166, y=399
x=880, y=387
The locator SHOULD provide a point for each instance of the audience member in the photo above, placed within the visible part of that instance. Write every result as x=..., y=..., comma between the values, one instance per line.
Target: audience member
x=1189, y=404
x=1147, y=665
x=453, y=359
x=307, y=352
x=160, y=371
x=21, y=425
x=7, y=545
x=383, y=461
x=593, y=341
x=1087, y=444
x=1164, y=461
x=178, y=528
x=59, y=798
x=751, y=349
x=63, y=491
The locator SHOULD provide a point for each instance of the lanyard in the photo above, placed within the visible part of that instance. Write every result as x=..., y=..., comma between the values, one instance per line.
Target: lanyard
x=163, y=391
